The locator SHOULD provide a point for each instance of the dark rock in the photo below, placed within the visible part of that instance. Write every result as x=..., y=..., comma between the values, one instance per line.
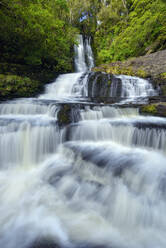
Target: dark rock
x=44, y=244
x=52, y=244
x=99, y=84
x=64, y=115
x=69, y=113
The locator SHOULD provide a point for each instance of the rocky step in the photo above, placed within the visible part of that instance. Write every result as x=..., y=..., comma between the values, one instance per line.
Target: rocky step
x=151, y=66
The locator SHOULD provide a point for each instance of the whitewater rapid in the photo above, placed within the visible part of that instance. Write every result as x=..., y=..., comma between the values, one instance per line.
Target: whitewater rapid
x=97, y=182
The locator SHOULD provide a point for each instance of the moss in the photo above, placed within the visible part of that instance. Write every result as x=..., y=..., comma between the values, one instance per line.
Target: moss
x=157, y=109
x=122, y=69
x=109, y=83
x=149, y=109
x=163, y=75
x=12, y=86
x=142, y=73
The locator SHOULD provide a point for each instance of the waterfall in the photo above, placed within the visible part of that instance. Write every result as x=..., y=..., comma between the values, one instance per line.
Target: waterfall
x=73, y=84
x=127, y=87
x=134, y=87
x=80, y=63
x=83, y=52
x=89, y=53
x=99, y=181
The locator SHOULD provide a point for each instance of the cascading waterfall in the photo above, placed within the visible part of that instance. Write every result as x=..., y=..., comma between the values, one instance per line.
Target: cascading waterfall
x=83, y=54
x=100, y=182
x=89, y=53
x=80, y=64
x=133, y=87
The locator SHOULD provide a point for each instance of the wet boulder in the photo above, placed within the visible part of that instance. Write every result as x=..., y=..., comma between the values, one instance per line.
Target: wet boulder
x=103, y=85
x=68, y=114
x=157, y=109
x=44, y=244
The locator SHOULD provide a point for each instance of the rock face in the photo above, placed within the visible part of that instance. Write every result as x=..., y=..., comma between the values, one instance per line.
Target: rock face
x=103, y=85
x=152, y=65
x=149, y=66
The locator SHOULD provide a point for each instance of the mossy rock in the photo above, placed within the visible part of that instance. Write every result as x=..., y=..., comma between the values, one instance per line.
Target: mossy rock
x=120, y=69
x=64, y=115
x=158, y=109
x=13, y=86
x=149, y=109
x=163, y=75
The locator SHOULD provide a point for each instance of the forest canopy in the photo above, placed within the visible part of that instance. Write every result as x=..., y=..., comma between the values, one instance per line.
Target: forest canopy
x=42, y=33
x=36, y=33
x=132, y=29
x=121, y=28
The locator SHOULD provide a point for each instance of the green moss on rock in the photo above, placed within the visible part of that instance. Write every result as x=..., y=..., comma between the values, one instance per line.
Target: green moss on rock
x=118, y=69
x=109, y=83
x=64, y=115
x=157, y=109
x=163, y=75
x=149, y=109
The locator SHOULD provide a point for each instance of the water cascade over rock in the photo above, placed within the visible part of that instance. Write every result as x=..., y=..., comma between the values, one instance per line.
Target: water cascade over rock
x=83, y=54
x=96, y=180
x=106, y=85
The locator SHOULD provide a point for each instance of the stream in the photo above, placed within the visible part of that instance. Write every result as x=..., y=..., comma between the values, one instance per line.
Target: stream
x=97, y=182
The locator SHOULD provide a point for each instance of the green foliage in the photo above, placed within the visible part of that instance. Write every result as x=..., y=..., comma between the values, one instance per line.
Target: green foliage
x=16, y=86
x=37, y=33
x=41, y=33
x=83, y=15
x=130, y=32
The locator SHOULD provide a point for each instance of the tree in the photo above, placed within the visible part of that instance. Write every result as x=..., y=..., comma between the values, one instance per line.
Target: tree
x=37, y=33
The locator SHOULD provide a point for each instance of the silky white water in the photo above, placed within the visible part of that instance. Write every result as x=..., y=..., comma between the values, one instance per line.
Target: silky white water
x=100, y=182
x=132, y=88
x=80, y=64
